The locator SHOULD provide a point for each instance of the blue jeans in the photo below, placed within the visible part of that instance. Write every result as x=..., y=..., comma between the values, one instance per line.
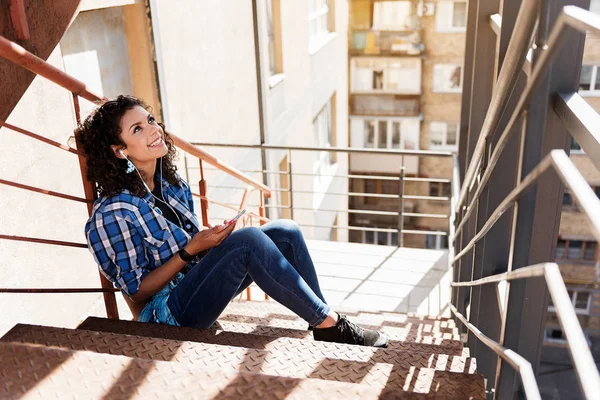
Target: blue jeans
x=274, y=256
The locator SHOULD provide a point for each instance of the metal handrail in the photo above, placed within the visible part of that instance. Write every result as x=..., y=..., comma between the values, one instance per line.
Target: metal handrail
x=519, y=363
x=520, y=43
x=349, y=150
x=570, y=16
x=584, y=363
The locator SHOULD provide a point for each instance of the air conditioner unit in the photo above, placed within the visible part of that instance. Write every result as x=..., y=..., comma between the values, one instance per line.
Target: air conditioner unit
x=426, y=9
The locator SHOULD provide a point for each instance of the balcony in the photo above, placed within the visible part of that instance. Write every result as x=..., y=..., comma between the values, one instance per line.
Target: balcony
x=385, y=43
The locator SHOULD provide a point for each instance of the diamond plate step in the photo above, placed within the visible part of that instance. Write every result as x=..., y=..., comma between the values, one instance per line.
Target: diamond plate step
x=355, y=365
x=383, y=318
x=34, y=372
x=458, y=362
x=273, y=319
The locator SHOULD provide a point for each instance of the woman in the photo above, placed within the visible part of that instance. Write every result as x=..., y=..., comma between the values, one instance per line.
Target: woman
x=146, y=239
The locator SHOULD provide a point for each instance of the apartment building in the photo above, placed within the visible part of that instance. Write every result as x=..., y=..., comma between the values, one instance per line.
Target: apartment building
x=577, y=250
x=405, y=69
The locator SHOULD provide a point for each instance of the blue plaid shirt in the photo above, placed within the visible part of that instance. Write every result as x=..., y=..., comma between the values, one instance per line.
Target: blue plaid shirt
x=129, y=237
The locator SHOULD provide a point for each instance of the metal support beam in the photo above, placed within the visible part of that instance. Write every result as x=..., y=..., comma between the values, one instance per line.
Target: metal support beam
x=261, y=88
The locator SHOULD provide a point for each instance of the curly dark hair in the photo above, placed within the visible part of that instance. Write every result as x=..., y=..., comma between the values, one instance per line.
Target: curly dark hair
x=99, y=131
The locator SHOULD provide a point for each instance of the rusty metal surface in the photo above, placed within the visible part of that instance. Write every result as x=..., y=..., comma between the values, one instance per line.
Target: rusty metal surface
x=252, y=340
x=33, y=372
x=342, y=363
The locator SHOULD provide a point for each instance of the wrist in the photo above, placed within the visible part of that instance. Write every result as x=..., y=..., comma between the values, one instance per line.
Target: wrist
x=185, y=255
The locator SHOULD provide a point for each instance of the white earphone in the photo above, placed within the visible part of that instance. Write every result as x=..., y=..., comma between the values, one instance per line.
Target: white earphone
x=152, y=194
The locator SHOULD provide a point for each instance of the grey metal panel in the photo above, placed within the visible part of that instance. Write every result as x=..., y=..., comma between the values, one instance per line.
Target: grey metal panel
x=539, y=211
x=481, y=60
x=464, y=150
x=582, y=121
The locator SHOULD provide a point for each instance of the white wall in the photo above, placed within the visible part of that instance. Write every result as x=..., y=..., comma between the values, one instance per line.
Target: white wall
x=211, y=95
x=95, y=51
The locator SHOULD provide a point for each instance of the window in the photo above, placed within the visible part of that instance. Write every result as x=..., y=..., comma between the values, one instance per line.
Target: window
x=443, y=135
x=380, y=238
x=385, y=134
x=323, y=126
x=560, y=249
x=436, y=242
x=391, y=15
x=318, y=20
x=575, y=147
x=567, y=200
x=580, y=299
x=451, y=16
x=447, y=78
x=385, y=75
x=589, y=80
x=272, y=9
x=323, y=138
x=554, y=335
x=576, y=250
x=590, y=251
x=439, y=189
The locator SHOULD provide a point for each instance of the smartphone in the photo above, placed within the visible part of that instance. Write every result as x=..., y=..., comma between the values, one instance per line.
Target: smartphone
x=232, y=220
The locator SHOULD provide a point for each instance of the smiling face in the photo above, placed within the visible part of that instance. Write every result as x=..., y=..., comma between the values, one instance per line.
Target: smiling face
x=143, y=137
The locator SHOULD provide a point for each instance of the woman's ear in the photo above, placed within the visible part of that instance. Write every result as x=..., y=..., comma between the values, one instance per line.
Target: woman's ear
x=118, y=151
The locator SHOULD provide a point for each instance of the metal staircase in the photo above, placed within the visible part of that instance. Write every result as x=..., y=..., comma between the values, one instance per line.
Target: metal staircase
x=254, y=350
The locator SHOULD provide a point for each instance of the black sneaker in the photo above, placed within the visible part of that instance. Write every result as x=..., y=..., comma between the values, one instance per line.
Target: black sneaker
x=345, y=331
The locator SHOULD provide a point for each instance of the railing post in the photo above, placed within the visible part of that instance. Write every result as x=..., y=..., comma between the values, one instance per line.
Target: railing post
x=261, y=207
x=401, y=206
x=203, y=201
x=291, y=188
x=110, y=301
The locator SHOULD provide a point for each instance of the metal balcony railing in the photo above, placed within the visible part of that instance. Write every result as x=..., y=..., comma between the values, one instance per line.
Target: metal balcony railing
x=380, y=42
x=399, y=213
x=509, y=320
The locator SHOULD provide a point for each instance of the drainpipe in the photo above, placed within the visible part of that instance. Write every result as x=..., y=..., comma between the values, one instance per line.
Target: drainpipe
x=260, y=89
x=159, y=67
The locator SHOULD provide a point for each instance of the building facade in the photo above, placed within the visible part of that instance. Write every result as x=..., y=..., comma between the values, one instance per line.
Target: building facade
x=405, y=70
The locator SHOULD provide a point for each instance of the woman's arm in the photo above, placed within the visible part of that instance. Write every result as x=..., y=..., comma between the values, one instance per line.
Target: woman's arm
x=158, y=278
x=161, y=276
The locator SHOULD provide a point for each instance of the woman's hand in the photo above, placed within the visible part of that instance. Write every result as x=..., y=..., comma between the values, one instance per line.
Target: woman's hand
x=208, y=238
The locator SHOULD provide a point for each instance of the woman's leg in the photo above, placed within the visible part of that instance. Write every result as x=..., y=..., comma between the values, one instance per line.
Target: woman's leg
x=203, y=294
x=287, y=236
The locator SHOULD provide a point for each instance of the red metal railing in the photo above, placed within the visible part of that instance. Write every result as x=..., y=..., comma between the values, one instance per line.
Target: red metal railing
x=18, y=55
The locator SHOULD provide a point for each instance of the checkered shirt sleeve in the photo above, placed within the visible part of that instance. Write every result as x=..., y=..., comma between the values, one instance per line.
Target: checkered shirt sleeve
x=118, y=248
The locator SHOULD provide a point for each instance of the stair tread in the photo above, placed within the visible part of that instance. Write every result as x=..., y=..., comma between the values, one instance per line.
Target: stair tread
x=24, y=370
x=359, y=364
x=262, y=308
x=253, y=340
